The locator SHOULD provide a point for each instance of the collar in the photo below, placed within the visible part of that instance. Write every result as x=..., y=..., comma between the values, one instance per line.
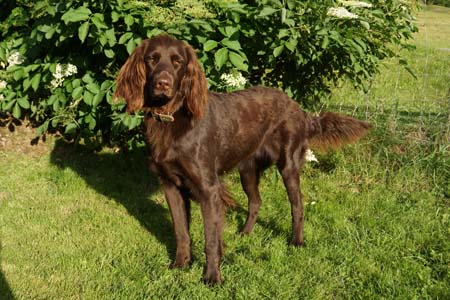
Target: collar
x=158, y=116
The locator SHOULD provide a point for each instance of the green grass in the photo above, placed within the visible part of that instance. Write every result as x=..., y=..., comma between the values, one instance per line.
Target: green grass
x=78, y=225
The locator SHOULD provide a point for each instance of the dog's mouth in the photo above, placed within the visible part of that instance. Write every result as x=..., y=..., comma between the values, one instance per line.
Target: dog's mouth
x=159, y=100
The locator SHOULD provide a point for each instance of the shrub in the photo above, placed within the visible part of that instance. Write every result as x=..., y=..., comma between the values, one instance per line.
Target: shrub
x=60, y=58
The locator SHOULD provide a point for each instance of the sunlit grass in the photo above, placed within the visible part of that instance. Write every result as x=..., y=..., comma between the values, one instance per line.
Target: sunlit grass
x=82, y=225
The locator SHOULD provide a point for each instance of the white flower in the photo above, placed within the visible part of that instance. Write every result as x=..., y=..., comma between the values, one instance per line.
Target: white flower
x=3, y=84
x=2, y=65
x=341, y=13
x=355, y=4
x=234, y=80
x=309, y=156
x=61, y=72
x=2, y=97
x=15, y=58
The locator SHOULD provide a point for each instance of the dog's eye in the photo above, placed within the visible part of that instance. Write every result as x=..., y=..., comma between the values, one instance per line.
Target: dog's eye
x=177, y=61
x=153, y=59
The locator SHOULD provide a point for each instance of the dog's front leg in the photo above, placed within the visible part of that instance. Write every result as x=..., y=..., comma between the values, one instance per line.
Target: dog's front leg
x=179, y=206
x=212, y=208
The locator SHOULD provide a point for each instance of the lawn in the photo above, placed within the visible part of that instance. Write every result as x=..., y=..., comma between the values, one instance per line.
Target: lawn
x=81, y=225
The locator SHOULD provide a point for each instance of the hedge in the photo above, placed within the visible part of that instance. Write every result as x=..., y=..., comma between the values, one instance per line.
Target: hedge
x=59, y=59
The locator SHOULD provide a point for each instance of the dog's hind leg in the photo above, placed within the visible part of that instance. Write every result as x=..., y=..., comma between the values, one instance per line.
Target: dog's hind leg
x=289, y=166
x=250, y=174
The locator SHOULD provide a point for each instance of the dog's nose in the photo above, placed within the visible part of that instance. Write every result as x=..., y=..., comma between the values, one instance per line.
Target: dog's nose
x=163, y=84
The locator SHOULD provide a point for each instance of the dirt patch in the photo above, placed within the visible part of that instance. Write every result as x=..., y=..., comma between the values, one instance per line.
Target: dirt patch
x=21, y=139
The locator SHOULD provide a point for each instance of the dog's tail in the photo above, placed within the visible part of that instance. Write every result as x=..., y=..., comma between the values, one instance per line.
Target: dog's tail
x=332, y=130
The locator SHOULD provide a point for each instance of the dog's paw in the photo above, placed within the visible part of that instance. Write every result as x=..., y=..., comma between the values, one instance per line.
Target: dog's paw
x=212, y=277
x=180, y=262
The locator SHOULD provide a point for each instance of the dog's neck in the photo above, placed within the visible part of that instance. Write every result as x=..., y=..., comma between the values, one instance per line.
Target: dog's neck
x=166, y=112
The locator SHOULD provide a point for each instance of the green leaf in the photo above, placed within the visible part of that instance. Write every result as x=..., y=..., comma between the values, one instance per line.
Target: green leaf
x=115, y=16
x=283, y=32
x=238, y=61
x=23, y=102
x=87, y=78
x=49, y=34
x=51, y=99
x=109, y=53
x=44, y=28
x=278, y=50
x=291, y=44
x=83, y=31
x=266, y=11
x=102, y=39
x=88, y=96
x=130, y=46
x=9, y=105
x=126, y=121
x=98, y=98
x=90, y=120
x=220, y=57
x=56, y=105
x=209, y=45
x=76, y=83
x=93, y=88
x=18, y=74
x=125, y=37
x=109, y=97
x=283, y=15
x=71, y=128
x=230, y=30
x=129, y=20
x=135, y=122
x=35, y=81
x=290, y=22
x=26, y=84
x=75, y=15
x=16, y=112
x=43, y=128
x=2, y=54
x=233, y=45
x=77, y=92
x=106, y=85
x=99, y=21
x=111, y=36
x=325, y=42
x=365, y=24
x=336, y=36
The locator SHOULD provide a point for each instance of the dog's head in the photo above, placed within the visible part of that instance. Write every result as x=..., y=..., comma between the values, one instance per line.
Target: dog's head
x=163, y=73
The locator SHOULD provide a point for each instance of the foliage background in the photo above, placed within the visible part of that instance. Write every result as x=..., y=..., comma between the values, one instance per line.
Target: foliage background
x=293, y=45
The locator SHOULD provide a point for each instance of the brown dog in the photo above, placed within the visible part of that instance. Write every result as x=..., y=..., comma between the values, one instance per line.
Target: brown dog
x=195, y=135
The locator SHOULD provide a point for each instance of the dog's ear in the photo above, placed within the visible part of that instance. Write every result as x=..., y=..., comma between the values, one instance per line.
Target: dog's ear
x=193, y=85
x=131, y=80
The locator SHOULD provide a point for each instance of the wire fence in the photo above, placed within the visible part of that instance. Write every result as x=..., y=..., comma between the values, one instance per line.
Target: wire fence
x=417, y=105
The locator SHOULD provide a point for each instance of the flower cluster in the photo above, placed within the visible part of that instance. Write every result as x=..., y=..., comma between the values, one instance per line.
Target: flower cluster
x=2, y=86
x=15, y=58
x=235, y=80
x=61, y=72
x=341, y=13
x=309, y=156
x=355, y=4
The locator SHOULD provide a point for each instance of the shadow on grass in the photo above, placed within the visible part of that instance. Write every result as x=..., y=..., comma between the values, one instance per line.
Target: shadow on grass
x=124, y=178
x=5, y=290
